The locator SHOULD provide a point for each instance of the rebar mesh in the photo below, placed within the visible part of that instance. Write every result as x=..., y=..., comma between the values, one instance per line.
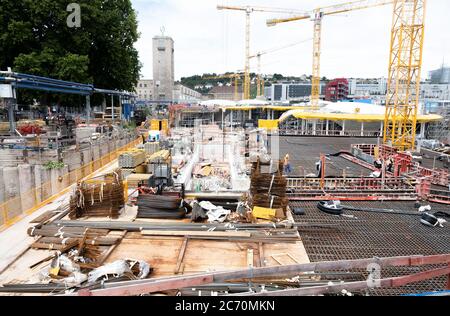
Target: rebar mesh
x=376, y=235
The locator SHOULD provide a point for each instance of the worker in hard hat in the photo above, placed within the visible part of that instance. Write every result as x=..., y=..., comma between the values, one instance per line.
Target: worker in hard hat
x=287, y=165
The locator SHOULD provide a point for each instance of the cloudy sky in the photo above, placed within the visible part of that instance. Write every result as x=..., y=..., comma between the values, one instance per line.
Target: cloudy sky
x=355, y=44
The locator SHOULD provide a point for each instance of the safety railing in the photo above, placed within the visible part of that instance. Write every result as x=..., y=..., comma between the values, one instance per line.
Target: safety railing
x=349, y=184
x=352, y=133
x=28, y=202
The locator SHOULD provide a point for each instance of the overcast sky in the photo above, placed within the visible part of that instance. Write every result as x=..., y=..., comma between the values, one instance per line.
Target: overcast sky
x=355, y=44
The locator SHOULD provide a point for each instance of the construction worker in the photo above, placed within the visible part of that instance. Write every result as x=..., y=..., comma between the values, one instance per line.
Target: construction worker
x=287, y=165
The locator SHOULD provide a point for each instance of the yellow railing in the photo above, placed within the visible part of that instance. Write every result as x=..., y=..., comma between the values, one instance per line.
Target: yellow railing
x=268, y=124
x=28, y=202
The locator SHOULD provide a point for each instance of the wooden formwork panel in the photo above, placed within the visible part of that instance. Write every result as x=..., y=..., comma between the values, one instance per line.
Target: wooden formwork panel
x=162, y=253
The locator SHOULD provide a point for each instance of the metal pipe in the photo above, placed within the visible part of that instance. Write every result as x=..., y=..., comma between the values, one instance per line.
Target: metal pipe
x=138, y=226
x=355, y=286
x=156, y=285
x=375, y=210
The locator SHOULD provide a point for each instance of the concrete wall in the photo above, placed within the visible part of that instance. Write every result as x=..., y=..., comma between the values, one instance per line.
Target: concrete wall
x=26, y=183
x=73, y=160
x=12, y=190
x=86, y=156
x=20, y=178
x=95, y=152
x=2, y=186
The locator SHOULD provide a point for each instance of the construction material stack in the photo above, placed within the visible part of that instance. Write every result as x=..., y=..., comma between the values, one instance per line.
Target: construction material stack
x=151, y=148
x=268, y=187
x=98, y=197
x=160, y=166
x=131, y=158
x=160, y=206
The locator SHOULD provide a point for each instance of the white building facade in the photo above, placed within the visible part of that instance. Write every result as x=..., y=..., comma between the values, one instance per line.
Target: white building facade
x=183, y=94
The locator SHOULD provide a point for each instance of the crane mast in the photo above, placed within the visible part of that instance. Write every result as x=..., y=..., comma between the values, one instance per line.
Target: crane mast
x=248, y=11
x=405, y=65
x=317, y=16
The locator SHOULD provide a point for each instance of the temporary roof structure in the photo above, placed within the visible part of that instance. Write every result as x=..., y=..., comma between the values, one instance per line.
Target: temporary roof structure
x=349, y=111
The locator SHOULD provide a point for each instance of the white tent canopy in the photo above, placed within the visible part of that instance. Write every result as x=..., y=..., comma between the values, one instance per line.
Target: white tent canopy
x=253, y=102
x=341, y=108
x=218, y=103
x=352, y=108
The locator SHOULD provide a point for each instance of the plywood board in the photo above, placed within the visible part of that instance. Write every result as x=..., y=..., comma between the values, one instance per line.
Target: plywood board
x=20, y=271
x=200, y=255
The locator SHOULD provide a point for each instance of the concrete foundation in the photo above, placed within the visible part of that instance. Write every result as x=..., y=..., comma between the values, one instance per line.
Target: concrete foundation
x=2, y=186
x=18, y=179
x=11, y=182
x=26, y=183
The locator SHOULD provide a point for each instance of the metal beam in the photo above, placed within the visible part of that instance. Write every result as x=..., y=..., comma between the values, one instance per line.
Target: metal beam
x=355, y=286
x=155, y=285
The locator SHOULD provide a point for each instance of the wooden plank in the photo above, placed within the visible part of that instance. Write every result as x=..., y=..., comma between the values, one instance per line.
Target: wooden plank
x=277, y=260
x=112, y=248
x=44, y=217
x=181, y=255
x=195, y=233
x=261, y=255
x=274, y=256
x=250, y=258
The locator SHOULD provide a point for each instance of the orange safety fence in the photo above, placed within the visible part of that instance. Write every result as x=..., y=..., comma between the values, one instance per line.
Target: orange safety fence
x=30, y=201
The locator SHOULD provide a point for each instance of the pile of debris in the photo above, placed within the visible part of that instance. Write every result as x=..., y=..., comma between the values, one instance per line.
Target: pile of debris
x=79, y=257
x=209, y=177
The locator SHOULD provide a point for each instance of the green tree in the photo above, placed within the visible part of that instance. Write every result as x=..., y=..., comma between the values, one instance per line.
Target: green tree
x=278, y=77
x=35, y=39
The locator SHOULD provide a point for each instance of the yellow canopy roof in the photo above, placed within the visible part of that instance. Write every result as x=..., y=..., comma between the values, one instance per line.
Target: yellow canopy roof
x=264, y=107
x=354, y=117
x=284, y=108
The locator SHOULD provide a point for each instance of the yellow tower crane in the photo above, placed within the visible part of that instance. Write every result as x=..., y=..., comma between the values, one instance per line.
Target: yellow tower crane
x=260, y=85
x=405, y=65
x=316, y=16
x=235, y=77
x=248, y=11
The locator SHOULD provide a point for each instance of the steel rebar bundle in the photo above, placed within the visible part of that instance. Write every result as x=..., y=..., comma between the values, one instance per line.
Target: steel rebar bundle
x=160, y=206
x=100, y=198
x=268, y=190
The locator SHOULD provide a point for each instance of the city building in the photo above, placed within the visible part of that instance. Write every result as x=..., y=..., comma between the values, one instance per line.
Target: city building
x=163, y=68
x=144, y=89
x=435, y=91
x=336, y=90
x=183, y=94
x=359, y=87
x=440, y=76
x=290, y=91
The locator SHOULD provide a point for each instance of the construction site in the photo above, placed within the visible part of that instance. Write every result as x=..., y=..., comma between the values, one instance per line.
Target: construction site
x=234, y=197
